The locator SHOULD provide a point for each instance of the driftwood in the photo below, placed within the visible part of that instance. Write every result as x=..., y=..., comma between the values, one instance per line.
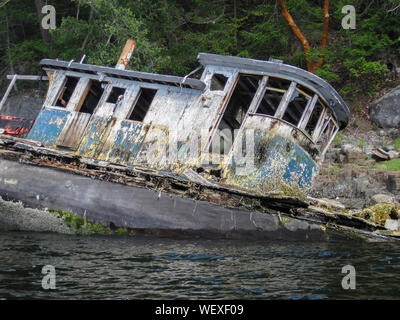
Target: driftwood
x=386, y=155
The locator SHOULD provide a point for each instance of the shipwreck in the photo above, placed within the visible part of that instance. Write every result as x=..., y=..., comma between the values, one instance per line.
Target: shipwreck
x=231, y=154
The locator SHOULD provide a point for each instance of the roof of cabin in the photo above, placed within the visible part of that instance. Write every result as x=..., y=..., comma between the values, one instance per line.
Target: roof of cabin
x=124, y=74
x=275, y=68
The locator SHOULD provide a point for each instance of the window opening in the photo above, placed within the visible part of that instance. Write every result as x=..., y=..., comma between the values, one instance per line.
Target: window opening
x=312, y=123
x=326, y=135
x=274, y=92
x=67, y=91
x=116, y=95
x=218, y=82
x=297, y=105
x=235, y=112
x=93, y=96
x=142, y=105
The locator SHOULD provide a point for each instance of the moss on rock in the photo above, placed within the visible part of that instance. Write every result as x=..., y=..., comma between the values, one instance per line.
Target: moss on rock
x=379, y=213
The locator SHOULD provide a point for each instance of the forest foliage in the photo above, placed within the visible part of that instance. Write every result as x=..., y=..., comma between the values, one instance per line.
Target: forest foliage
x=170, y=34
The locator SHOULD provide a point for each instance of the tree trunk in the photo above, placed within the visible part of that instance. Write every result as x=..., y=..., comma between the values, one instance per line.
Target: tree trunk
x=44, y=32
x=9, y=47
x=311, y=65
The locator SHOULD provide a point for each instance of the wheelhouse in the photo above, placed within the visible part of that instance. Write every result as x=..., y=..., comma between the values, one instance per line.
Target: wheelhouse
x=157, y=121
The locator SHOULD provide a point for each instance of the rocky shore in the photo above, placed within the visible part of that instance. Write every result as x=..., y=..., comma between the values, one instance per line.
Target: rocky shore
x=352, y=173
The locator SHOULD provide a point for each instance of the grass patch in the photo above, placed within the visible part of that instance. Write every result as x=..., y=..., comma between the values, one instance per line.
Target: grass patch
x=339, y=138
x=333, y=169
x=390, y=165
x=396, y=144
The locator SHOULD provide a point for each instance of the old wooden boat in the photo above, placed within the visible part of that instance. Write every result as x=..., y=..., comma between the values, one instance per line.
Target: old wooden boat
x=231, y=154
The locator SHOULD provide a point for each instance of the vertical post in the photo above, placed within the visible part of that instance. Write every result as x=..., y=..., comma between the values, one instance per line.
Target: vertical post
x=285, y=100
x=262, y=87
x=126, y=54
x=3, y=101
x=307, y=112
x=329, y=143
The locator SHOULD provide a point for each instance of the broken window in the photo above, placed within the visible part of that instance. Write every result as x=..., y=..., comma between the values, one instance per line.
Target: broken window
x=218, y=82
x=142, y=105
x=116, y=95
x=313, y=121
x=236, y=111
x=67, y=91
x=297, y=105
x=274, y=92
x=94, y=92
x=327, y=133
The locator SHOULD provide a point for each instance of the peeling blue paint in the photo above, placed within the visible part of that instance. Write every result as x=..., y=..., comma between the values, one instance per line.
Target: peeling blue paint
x=128, y=140
x=48, y=126
x=275, y=159
x=93, y=136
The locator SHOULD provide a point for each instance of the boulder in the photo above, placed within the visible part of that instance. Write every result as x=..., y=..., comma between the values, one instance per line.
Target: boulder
x=350, y=153
x=385, y=111
x=393, y=225
x=382, y=198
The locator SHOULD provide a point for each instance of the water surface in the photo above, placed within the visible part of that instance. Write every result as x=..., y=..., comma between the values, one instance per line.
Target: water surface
x=127, y=267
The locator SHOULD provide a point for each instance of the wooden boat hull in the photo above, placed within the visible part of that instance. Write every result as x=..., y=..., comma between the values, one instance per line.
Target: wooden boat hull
x=161, y=203
x=140, y=209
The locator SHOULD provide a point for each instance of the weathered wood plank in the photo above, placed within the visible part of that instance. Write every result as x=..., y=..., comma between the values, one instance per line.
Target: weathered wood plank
x=79, y=95
x=307, y=113
x=71, y=136
x=28, y=77
x=285, y=101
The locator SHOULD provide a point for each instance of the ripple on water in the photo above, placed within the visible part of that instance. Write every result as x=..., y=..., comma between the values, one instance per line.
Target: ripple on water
x=153, y=268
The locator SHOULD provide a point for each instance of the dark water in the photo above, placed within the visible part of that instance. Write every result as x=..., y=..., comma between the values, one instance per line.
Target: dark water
x=123, y=267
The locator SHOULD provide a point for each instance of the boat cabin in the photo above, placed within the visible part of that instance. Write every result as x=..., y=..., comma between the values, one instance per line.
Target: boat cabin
x=252, y=124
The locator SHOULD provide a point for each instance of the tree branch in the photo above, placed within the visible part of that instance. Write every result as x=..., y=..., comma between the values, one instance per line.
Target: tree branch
x=306, y=45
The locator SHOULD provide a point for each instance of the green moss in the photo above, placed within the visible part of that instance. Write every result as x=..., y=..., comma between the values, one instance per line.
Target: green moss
x=379, y=213
x=121, y=231
x=390, y=165
x=291, y=191
x=284, y=220
x=97, y=228
x=339, y=137
x=82, y=226
x=361, y=144
x=333, y=169
x=396, y=144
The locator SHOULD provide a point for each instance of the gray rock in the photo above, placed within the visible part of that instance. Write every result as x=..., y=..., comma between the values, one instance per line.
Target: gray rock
x=382, y=198
x=342, y=143
x=389, y=148
x=348, y=148
x=393, y=225
x=382, y=133
x=385, y=112
x=394, y=133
